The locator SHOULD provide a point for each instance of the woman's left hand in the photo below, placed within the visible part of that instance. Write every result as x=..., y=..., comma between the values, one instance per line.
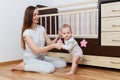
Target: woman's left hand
x=58, y=46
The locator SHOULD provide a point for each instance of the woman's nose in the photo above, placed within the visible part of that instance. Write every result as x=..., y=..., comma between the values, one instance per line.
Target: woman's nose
x=37, y=16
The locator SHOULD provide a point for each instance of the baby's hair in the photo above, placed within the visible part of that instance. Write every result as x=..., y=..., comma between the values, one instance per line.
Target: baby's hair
x=65, y=26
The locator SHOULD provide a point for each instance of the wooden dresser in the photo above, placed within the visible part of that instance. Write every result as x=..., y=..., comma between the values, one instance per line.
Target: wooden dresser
x=110, y=24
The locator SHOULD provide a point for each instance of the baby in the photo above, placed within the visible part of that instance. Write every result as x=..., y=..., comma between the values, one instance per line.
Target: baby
x=72, y=46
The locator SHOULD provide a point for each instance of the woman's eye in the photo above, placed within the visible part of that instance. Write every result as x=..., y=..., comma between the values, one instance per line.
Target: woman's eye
x=35, y=15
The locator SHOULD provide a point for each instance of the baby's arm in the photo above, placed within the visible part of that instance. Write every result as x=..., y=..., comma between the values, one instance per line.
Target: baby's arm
x=67, y=46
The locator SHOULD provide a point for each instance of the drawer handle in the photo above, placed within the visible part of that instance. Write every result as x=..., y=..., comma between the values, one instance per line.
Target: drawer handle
x=115, y=25
x=115, y=62
x=115, y=10
x=116, y=40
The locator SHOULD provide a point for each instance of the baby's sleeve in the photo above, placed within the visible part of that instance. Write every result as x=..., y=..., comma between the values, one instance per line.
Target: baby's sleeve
x=68, y=46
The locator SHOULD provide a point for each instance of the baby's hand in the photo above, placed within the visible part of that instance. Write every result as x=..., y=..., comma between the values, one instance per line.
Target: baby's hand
x=58, y=46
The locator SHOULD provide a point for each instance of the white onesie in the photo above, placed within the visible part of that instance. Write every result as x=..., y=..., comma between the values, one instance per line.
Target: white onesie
x=72, y=46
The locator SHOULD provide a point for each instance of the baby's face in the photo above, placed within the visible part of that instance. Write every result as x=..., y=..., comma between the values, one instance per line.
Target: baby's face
x=66, y=33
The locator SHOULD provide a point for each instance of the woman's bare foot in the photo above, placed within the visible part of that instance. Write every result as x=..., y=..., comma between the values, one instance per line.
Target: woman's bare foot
x=70, y=73
x=20, y=66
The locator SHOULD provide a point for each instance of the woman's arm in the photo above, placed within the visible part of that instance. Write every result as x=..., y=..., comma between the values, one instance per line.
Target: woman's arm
x=29, y=41
x=49, y=41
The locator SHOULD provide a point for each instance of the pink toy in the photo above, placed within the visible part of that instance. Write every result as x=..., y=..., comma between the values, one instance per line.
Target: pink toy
x=60, y=41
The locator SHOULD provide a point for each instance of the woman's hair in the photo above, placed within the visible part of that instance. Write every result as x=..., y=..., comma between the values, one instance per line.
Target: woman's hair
x=65, y=26
x=40, y=11
x=27, y=22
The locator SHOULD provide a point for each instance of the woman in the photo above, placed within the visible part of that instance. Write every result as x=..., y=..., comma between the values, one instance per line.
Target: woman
x=33, y=40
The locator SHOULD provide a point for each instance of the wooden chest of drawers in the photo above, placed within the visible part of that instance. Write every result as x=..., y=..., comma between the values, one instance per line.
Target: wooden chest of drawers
x=110, y=24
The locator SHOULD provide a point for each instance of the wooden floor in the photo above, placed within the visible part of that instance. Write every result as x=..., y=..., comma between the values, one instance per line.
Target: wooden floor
x=84, y=73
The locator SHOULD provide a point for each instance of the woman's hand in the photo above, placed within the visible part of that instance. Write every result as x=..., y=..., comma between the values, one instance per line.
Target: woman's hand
x=58, y=46
x=59, y=34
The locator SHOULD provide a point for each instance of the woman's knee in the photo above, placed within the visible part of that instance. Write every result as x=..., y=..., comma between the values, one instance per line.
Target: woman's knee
x=63, y=64
x=49, y=68
x=60, y=63
x=41, y=68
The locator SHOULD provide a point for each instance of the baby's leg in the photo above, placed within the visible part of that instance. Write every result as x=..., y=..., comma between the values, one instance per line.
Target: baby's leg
x=75, y=60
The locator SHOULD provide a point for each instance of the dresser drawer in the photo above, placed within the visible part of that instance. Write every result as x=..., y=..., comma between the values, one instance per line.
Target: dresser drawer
x=110, y=24
x=110, y=9
x=113, y=62
x=110, y=38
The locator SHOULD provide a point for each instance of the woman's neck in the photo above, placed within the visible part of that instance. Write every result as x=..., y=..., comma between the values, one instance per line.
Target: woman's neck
x=34, y=26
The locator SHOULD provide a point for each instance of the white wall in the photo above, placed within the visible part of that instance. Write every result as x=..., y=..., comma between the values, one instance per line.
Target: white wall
x=11, y=17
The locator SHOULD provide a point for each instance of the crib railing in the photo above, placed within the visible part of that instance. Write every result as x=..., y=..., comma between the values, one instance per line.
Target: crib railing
x=83, y=21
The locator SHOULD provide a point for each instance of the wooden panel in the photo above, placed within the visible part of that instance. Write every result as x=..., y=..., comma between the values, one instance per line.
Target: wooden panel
x=94, y=48
x=109, y=17
x=110, y=9
x=110, y=39
x=47, y=21
x=111, y=62
x=110, y=24
x=107, y=1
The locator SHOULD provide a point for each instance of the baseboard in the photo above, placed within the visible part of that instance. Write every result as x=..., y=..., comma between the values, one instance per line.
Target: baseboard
x=10, y=62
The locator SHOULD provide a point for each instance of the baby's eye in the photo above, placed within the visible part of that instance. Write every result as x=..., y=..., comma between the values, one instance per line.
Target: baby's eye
x=64, y=33
x=68, y=32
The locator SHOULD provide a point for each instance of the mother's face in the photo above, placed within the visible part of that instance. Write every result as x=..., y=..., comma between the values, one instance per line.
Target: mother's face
x=35, y=16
